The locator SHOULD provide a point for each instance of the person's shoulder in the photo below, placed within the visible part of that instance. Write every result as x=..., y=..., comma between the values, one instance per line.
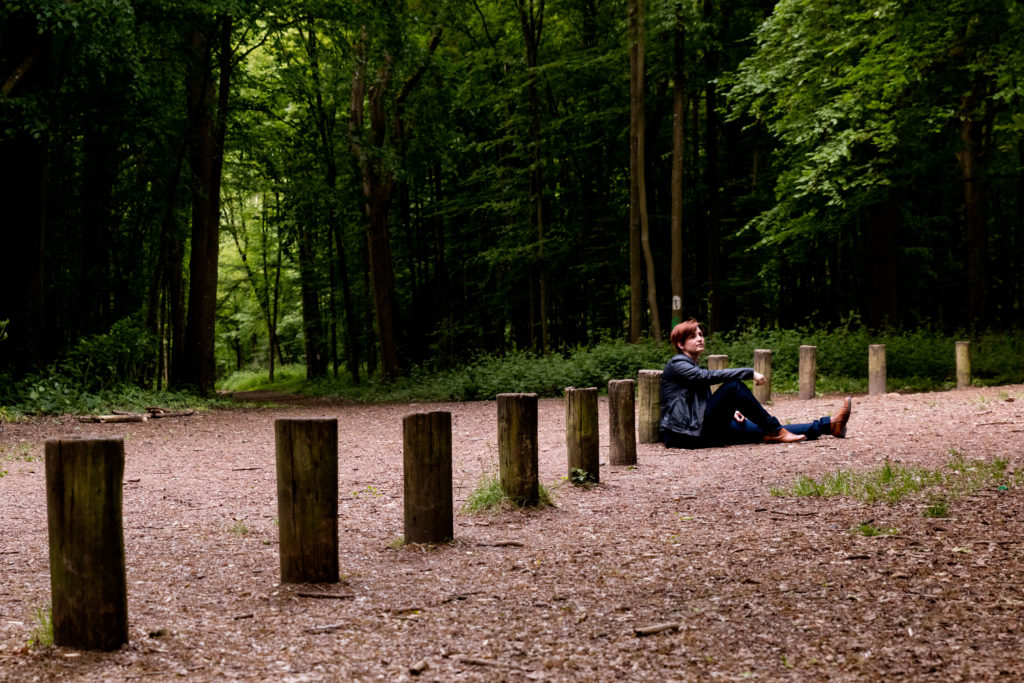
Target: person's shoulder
x=679, y=360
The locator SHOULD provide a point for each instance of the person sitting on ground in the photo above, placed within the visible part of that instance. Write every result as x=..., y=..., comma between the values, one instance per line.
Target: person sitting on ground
x=694, y=417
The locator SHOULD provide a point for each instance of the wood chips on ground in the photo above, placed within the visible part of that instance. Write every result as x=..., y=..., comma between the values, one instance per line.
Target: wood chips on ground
x=729, y=581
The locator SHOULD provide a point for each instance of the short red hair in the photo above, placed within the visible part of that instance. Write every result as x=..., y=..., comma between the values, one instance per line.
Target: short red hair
x=683, y=331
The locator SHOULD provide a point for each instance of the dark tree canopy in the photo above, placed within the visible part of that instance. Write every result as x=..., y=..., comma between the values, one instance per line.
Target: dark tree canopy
x=366, y=186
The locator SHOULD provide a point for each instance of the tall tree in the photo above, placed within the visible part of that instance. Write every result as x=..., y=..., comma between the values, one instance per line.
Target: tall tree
x=207, y=88
x=372, y=144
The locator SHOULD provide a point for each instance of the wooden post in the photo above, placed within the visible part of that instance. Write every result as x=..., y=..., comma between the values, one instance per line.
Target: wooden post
x=717, y=361
x=963, y=364
x=88, y=584
x=427, y=441
x=517, y=448
x=763, y=364
x=622, y=422
x=307, y=499
x=808, y=371
x=581, y=437
x=650, y=405
x=876, y=369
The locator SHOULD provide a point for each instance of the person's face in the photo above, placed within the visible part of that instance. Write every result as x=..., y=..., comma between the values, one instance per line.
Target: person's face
x=694, y=344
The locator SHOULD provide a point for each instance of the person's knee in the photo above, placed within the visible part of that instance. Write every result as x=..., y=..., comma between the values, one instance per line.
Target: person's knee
x=734, y=386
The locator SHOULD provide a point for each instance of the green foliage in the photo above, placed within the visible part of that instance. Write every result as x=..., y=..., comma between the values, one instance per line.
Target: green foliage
x=938, y=507
x=581, y=477
x=869, y=529
x=892, y=482
x=42, y=634
x=489, y=494
x=917, y=360
x=518, y=373
x=287, y=379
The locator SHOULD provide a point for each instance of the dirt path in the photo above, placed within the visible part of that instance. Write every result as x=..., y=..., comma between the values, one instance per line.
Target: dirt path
x=761, y=586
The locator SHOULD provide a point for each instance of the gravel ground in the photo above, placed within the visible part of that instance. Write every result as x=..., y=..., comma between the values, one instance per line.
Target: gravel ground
x=754, y=585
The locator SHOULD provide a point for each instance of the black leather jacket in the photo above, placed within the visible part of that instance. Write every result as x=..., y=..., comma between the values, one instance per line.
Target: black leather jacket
x=685, y=388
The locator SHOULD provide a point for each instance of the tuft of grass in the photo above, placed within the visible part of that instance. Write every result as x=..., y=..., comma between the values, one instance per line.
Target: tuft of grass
x=20, y=452
x=42, y=634
x=368, y=490
x=489, y=494
x=892, y=482
x=239, y=528
x=869, y=529
x=938, y=507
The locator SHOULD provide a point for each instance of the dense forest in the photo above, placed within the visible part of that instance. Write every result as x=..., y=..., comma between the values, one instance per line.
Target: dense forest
x=369, y=186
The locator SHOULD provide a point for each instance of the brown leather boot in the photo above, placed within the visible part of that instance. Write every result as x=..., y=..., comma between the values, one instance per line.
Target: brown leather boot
x=837, y=423
x=784, y=436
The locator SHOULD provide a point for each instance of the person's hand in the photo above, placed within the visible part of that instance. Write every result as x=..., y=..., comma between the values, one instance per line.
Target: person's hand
x=738, y=416
x=759, y=379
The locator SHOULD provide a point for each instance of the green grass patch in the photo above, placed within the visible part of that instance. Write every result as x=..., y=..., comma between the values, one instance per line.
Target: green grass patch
x=288, y=379
x=42, y=633
x=870, y=530
x=239, y=528
x=489, y=495
x=892, y=482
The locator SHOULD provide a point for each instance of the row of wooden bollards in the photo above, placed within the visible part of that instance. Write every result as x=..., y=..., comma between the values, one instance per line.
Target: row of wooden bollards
x=84, y=481
x=84, y=498
x=808, y=369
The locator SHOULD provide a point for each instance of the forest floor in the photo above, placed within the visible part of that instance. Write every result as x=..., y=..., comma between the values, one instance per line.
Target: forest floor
x=760, y=586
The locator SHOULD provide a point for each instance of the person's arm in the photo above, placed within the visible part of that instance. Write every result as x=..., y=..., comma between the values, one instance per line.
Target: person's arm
x=690, y=373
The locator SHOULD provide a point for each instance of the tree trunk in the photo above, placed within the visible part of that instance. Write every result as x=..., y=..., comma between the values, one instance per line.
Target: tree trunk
x=678, y=149
x=313, y=327
x=531, y=20
x=325, y=128
x=711, y=175
x=633, y=10
x=970, y=157
x=207, y=107
x=641, y=178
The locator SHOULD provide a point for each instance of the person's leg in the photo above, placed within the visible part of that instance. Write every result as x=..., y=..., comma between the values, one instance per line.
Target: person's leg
x=812, y=430
x=727, y=399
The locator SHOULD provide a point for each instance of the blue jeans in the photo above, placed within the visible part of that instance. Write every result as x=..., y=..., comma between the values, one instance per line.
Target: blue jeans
x=720, y=426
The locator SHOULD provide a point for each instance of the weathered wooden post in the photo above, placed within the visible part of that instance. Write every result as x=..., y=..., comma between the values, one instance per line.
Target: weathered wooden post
x=88, y=584
x=427, y=440
x=307, y=499
x=517, y=448
x=650, y=405
x=763, y=364
x=876, y=369
x=581, y=436
x=963, y=364
x=808, y=371
x=717, y=361
x=622, y=422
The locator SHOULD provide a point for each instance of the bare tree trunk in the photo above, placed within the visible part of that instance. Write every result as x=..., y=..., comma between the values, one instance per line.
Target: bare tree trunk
x=633, y=10
x=207, y=106
x=971, y=159
x=325, y=129
x=711, y=175
x=531, y=19
x=678, y=150
x=378, y=186
x=641, y=180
